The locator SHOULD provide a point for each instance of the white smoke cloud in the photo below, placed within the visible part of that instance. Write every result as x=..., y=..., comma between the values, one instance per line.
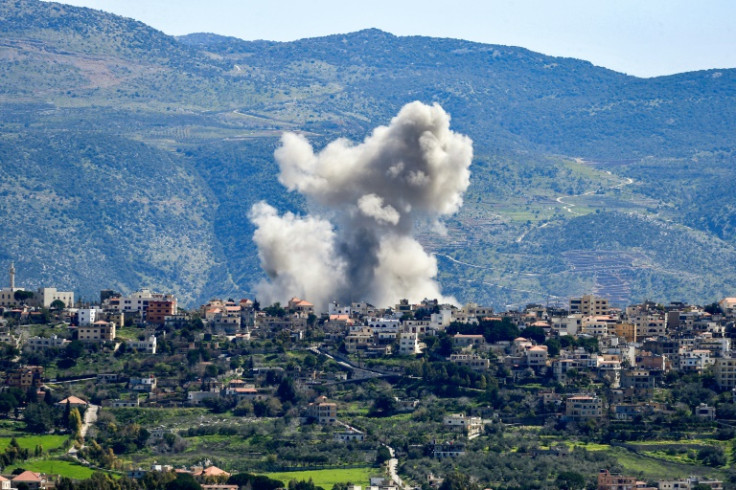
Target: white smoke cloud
x=298, y=255
x=414, y=169
x=372, y=205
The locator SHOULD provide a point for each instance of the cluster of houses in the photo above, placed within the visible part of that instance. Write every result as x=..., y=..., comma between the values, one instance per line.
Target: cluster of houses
x=635, y=348
x=609, y=481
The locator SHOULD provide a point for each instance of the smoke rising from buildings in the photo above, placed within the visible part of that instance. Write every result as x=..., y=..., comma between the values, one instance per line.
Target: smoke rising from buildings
x=357, y=242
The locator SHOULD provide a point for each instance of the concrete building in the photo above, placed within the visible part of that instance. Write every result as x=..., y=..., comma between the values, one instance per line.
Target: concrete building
x=87, y=316
x=409, y=344
x=138, y=301
x=472, y=361
x=99, y=331
x=145, y=384
x=35, y=344
x=725, y=372
x=448, y=450
x=42, y=298
x=159, y=309
x=536, y=356
x=470, y=426
x=25, y=377
x=608, y=481
x=350, y=434
x=583, y=407
x=689, y=483
x=147, y=345
x=322, y=411
x=468, y=340
x=626, y=331
x=589, y=305
x=45, y=296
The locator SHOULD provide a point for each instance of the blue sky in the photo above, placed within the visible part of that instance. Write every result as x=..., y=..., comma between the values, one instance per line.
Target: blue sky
x=639, y=37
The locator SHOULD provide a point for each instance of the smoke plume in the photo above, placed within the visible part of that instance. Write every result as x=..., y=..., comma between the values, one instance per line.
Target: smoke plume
x=364, y=199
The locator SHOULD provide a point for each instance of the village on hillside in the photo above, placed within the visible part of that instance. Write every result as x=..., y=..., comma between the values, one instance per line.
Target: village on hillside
x=458, y=383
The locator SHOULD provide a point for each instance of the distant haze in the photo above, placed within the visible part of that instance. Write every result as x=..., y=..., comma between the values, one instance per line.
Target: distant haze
x=642, y=38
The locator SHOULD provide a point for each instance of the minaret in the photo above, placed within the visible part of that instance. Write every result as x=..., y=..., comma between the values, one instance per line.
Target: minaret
x=12, y=276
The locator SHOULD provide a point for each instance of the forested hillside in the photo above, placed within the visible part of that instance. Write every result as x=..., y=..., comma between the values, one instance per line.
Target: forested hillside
x=129, y=158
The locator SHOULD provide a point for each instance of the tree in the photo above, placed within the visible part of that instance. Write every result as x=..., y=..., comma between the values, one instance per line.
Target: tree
x=570, y=480
x=383, y=406
x=39, y=418
x=7, y=403
x=75, y=423
x=21, y=296
x=534, y=333
x=256, y=482
x=57, y=304
x=74, y=349
x=382, y=455
x=311, y=319
x=183, y=481
x=458, y=481
x=286, y=391
x=713, y=309
x=712, y=456
x=553, y=347
x=303, y=485
x=275, y=310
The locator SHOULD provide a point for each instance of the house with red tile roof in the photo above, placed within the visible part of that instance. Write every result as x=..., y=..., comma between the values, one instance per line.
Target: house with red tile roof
x=73, y=402
x=33, y=480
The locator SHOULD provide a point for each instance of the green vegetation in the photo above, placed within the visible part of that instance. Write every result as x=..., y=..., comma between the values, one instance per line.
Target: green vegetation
x=327, y=478
x=55, y=467
x=30, y=442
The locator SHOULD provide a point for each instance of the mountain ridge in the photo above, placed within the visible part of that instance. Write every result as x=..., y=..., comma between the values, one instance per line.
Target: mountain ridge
x=206, y=112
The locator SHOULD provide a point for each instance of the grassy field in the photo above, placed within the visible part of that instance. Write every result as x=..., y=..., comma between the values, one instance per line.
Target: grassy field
x=55, y=467
x=651, y=467
x=173, y=418
x=328, y=478
x=48, y=442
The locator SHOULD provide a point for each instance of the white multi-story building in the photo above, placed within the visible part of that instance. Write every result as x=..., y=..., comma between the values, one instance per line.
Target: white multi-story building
x=334, y=308
x=536, y=356
x=87, y=316
x=441, y=320
x=569, y=325
x=470, y=426
x=148, y=345
x=40, y=343
x=409, y=343
x=137, y=301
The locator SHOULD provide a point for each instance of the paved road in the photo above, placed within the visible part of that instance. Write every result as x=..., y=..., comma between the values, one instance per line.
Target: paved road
x=392, y=464
x=90, y=417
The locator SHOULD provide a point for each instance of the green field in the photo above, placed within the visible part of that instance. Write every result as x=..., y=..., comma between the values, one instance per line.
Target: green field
x=328, y=478
x=48, y=442
x=55, y=467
